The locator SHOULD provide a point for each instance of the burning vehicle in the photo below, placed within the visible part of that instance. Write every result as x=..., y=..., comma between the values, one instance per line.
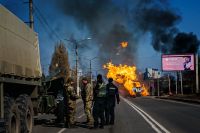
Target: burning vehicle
x=126, y=76
x=139, y=89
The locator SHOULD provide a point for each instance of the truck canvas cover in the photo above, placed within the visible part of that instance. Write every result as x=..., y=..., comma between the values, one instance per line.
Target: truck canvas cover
x=19, y=47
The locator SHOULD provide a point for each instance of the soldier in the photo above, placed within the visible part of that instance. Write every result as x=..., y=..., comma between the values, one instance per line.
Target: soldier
x=71, y=103
x=99, y=102
x=112, y=95
x=87, y=97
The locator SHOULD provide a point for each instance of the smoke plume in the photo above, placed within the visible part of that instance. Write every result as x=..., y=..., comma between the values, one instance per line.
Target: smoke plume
x=113, y=21
x=107, y=24
x=185, y=43
x=158, y=18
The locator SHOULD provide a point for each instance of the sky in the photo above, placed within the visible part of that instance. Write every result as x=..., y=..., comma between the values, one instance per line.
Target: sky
x=52, y=25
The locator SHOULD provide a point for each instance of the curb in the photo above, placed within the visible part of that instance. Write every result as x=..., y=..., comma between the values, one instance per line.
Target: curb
x=180, y=99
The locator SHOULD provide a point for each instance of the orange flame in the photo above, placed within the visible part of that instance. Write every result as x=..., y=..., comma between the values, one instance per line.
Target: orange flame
x=127, y=76
x=124, y=44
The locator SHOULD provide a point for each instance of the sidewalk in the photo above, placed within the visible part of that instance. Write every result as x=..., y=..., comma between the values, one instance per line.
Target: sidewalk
x=183, y=98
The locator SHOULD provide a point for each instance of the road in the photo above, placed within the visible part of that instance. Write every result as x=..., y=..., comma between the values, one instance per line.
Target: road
x=140, y=115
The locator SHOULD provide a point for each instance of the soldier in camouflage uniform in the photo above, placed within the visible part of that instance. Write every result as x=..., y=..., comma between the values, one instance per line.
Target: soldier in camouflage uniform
x=71, y=103
x=99, y=102
x=87, y=97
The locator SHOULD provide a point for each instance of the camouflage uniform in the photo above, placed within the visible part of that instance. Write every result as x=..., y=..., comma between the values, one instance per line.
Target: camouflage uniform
x=87, y=96
x=71, y=103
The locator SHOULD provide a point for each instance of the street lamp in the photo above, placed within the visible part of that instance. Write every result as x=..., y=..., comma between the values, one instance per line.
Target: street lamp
x=77, y=43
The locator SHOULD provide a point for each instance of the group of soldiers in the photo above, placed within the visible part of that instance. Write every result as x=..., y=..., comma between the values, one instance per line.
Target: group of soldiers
x=99, y=102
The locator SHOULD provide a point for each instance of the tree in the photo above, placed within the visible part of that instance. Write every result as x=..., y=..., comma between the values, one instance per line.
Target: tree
x=59, y=62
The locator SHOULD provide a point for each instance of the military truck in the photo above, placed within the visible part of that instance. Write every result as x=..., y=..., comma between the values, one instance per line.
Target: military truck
x=20, y=73
x=51, y=100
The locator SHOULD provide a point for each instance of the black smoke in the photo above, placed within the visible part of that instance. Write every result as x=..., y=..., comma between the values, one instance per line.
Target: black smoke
x=158, y=18
x=185, y=43
x=107, y=24
x=112, y=21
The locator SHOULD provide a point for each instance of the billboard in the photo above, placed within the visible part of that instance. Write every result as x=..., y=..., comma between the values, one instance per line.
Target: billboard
x=180, y=62
x=152, y=73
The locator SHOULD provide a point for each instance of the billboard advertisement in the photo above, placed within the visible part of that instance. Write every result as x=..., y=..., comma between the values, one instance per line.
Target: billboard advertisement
x=180, y=62
x=152, y=73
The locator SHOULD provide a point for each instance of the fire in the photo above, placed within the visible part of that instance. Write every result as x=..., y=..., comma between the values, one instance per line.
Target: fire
x=125, y=75
x=124, y=44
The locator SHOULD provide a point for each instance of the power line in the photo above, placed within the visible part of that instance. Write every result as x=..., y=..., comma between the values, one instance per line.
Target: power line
x=44, y=20
x=44, y=26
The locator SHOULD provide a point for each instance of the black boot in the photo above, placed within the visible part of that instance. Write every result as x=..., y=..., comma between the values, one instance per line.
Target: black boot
x=95, y=125
x=101, y=126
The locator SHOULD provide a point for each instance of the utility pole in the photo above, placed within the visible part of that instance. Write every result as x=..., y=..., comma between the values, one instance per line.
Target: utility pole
x=158, y=86
x=76, y=43
x=77, y=79
x=91, y=68
x=197, y=74
x=176, y=83
x=169, y=84
x=91, y=72
x=181, y=76
x=31, y=14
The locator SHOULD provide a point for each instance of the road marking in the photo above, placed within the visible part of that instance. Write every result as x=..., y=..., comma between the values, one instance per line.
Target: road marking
x=173, y=101
x=81, y=116
x=62, y=130
x=152, y=122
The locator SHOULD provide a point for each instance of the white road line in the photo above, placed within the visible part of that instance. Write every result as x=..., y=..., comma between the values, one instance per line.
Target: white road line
x=62, y=130
x=145, y=118
x=173, y=101
x=81, y=116
x=152, y=122
x=163, y=128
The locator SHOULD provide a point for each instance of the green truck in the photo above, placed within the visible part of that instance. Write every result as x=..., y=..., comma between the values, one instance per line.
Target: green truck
x=21, y=77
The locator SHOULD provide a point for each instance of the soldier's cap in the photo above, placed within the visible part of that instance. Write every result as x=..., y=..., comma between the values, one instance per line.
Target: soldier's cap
x=110, y=80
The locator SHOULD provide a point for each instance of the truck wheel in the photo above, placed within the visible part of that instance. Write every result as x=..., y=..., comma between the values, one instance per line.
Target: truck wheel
x=12, y=116
x=26, y=113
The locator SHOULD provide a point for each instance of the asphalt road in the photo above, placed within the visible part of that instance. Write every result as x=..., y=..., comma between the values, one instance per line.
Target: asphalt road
x=177, y=117
x=140, y=115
